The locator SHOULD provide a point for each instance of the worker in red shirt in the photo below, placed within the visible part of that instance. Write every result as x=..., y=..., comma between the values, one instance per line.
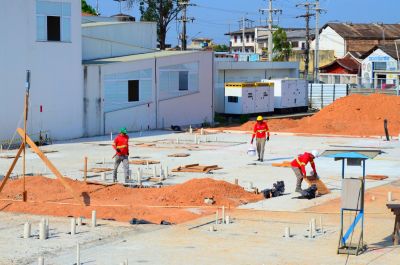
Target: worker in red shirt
x=299, y=167
x=121, y=146
x=261, y=132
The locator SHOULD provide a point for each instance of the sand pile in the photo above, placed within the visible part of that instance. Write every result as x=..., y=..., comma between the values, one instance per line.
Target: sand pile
x=356, y=115
x=48, y=197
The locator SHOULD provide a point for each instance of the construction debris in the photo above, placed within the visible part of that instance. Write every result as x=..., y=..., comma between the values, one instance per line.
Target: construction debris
x=144, y=162
x=179, y=155
x=376, y=177
x=321, y=187
x=309, y=193
x=196, y=168
x=277, y=190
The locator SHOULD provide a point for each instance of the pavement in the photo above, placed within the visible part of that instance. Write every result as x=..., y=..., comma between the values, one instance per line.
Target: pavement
x=255, y=236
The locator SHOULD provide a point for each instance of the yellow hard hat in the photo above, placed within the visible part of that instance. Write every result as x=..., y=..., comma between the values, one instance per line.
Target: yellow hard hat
x=259, y=118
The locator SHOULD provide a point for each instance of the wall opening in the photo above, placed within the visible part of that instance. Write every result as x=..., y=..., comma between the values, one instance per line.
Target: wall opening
x=133, y=90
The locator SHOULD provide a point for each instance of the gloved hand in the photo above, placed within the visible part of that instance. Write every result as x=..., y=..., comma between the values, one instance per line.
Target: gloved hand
x=267, y=138
x=118, y=150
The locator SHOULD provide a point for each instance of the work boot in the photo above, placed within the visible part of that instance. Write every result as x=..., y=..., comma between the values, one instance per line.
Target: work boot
x=298, y=185
x=261, y=160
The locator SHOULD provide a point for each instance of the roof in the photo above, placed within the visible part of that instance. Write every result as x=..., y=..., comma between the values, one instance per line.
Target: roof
x=137, y=57
x=389, y=49
x=99, y=24
x=252, y=30
x=292, y=34
x=347, y=62
x=370, y=31
x=355, y=54
x=360, y=154
x=85, y=14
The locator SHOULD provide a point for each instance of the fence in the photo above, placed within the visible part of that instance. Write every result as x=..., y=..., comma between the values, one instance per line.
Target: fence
x=321, y=95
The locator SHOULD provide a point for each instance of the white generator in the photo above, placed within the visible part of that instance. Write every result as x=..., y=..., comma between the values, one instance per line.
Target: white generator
x=291, y=94
x=248, y=98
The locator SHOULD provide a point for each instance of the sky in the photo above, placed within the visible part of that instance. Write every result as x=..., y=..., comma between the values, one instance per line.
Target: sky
x=214, y=18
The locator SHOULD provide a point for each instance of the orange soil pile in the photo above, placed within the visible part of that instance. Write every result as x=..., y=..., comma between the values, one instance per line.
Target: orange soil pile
x=49, y=197
x=355, y=115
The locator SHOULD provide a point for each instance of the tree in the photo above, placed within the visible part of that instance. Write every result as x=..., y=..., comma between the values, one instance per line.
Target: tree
x=282, y=47
x=160, y=11
x=86, y=8
x=220, y=48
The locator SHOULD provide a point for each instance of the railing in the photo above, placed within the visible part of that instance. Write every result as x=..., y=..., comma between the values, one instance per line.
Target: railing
x=321, y=95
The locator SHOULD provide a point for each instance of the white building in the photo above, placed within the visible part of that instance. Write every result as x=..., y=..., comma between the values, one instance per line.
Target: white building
x=148, y=91
x=45, y=38
x=228, y=70
x=380, y=67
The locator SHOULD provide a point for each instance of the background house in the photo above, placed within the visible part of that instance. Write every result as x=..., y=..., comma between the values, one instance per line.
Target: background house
x=200, y=43
x=346, y=70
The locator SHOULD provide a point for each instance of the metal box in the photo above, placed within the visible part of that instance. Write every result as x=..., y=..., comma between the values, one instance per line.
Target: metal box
x=352, y=194
x=289, y=93
x=248, y=98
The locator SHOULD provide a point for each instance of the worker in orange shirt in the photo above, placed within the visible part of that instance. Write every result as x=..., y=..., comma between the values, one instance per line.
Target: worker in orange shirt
x=121, y=146
x=261, y=132
x=299, y=167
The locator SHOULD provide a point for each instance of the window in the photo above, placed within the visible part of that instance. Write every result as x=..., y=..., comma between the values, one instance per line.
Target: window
x=303, y=46
x=53, y=21
x=379, y=65
x=235, y=39
x=233, y=99
x=183, y=81
x=53, y=28
x=295, y=44
x=133, y=90
x=247, y=38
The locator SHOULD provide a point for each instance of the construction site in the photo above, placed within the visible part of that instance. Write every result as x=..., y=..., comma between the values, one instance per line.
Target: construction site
x=196, y=196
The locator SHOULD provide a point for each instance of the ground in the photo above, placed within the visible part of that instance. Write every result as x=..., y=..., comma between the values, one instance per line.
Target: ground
x=255, y=235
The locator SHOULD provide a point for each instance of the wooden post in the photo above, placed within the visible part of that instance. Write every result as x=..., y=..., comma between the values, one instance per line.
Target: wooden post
x=85, y=169
x=385, y=122
x=26, y=106
x=50, y=165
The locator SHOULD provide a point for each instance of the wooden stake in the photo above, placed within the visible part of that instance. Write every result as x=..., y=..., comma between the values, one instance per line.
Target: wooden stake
x=50, y=165
x=10, y=170
x=85, y=169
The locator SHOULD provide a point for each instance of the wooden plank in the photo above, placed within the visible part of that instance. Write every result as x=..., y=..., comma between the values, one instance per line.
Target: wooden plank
x=10, y=170
x=321, y=187
x=283, y=164
x=376, y=177
x=143, y=162
x=50, y=165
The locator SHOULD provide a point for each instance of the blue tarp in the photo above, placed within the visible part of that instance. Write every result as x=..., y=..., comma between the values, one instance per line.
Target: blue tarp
x=348, y=155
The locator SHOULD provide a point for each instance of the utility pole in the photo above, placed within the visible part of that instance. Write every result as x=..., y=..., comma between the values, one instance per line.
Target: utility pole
x=270, y=20
x=243, y=33
x=318, y=11
x=306, y=16
x=242, y=26
x=97, y=7
x=184, y=19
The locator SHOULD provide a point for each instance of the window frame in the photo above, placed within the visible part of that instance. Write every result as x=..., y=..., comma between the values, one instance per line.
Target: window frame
x=233, y=99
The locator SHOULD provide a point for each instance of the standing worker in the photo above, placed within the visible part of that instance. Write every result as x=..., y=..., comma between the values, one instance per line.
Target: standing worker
x=261, y=132
x=121, y=146
x=299, y=167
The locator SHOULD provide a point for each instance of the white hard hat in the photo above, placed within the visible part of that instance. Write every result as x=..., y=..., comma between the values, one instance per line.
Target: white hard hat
x=315, y=153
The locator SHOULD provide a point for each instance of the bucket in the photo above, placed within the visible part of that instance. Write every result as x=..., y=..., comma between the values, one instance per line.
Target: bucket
x=251, y=151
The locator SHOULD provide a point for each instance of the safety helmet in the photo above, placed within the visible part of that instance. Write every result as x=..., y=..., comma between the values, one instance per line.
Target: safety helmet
x=259, y=118
x=315, y=153
x=123, y=130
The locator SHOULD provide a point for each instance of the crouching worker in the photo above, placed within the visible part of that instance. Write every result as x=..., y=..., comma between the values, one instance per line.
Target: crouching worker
x=299, y=167
x=121, y=146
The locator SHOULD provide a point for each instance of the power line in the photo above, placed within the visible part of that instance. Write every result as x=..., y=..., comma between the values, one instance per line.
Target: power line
x=271, y=12
x=318, y=11
x=184, y=19
x=307, y=17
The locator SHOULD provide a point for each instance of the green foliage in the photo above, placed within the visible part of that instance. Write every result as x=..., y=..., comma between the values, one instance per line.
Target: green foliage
x=160, y=11
x=219, y=118
x=86, y=8
x=220, y=48
x=282, y=47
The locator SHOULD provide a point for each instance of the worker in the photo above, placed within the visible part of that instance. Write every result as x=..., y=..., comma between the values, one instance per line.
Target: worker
x=121, y=147
x=299, y=167
x=261, y=132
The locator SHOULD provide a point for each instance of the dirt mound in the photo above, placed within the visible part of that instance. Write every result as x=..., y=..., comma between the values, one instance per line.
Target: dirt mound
x=49, y=197
x=355, y=115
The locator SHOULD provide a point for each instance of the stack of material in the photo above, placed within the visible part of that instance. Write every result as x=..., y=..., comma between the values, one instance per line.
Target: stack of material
x=277, y=190
x=309, y=193
x=283, y=164
x=196, y=168
x=321, y=187
x=143, y=162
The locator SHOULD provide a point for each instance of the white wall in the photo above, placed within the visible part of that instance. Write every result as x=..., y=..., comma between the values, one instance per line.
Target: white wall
x=330, y=40
x=56, y=71
x=112, y=39
x=190, y=108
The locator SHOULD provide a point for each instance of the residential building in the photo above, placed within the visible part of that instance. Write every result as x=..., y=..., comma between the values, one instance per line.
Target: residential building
x=355, y=37
x=200, y=43
x=346, y=70
x=380, y=67
x=45, y=38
